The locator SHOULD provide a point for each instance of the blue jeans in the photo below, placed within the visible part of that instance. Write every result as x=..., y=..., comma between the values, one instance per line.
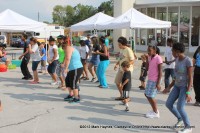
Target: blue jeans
x=168, y=73
x=101, y=70
x=179, y=111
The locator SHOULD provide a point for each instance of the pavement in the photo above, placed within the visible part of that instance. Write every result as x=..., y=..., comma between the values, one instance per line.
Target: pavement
x=40, y=108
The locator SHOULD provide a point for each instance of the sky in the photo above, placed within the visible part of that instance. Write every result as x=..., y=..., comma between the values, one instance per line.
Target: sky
x=30, y=8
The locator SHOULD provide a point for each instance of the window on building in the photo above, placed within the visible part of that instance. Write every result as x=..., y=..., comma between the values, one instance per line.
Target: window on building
x=195, y=26
x=161, y=33
x=173, y=17
x=151, y=32
x=184, y=25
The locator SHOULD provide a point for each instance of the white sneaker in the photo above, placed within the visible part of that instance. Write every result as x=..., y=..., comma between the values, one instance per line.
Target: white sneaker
x=54, y=83
x=148, y=113
x=185, y=130
x=179, y=124
x=153, y=115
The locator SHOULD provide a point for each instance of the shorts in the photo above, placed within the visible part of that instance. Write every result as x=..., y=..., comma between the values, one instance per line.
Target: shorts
x=95, y=62
x=35, y=65
x=52, y=67
x=60, y=71
x=119, y=76
x=43, y=63
x=83, y=61
x=3, y=59
x=142, y=78
x=125, y=94
x=72, y=78
x=151, y=89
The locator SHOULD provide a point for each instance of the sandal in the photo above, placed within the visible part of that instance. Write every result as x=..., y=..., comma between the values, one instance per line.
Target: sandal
x=34, y=82
x=85, y=78
x=61, y=86
x=82, y=77
x=119, y=98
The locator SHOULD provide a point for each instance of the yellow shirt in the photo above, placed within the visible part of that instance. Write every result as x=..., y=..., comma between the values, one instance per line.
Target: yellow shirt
x=126, y=55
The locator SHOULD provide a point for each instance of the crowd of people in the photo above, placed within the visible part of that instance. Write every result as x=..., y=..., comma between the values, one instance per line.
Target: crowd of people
x=70, y=65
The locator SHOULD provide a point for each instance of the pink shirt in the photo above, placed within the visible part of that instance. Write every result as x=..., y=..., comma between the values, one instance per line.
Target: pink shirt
x=153, y=68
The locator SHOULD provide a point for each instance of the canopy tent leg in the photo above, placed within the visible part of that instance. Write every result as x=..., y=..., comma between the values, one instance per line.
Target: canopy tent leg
x=134, y=35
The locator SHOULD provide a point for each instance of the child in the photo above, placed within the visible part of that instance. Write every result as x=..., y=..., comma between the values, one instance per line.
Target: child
x=143, y=73
x=3, y=56
x=43, y=59
x=154, y=67
x=126, y=83
x=182, y=87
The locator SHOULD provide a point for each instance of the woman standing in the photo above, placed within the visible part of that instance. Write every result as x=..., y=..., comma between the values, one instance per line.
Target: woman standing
x=181, y=88
x=196, y=63
x=74, y=69
x=53, y=60
x=104, y=62
x=84, y=52
x=35, y=55
x=126, y=54
x=94, y=62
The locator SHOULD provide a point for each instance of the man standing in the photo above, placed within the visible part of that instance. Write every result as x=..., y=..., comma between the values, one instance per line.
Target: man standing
x=26, y=59
x=170, y=62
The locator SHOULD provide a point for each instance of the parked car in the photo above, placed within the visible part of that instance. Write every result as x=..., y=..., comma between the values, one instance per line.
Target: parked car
x=3, y=40
x=17, y=43
x=13, y=40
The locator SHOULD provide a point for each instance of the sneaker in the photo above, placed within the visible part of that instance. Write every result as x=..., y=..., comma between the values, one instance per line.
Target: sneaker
x=75, y=100
x=97, y=81
x=185, y=130
x=93, y=79
x=197, y=104
x=68, y=98
x=54, y=83
x=24, y=78
x=179, y=124
x=127, y=109
x=152, y=114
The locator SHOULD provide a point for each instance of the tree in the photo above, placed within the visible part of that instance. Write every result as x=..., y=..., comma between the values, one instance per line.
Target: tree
x=83, y=12
x=59, y=15
x=107, y=7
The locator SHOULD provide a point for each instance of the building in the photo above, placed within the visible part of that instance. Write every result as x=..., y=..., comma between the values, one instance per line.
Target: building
x=184, y=15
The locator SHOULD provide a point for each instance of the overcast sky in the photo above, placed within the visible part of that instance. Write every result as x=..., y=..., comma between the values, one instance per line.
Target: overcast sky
x=30, y=8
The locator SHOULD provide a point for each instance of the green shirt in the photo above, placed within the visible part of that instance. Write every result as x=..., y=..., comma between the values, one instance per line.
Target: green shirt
x=76, y=40
x=61, y=53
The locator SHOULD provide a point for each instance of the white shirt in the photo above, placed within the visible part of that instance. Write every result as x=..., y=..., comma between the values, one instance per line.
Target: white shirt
x=51, y=53
x=170, y=57
x=36, y=55
x=83, y=51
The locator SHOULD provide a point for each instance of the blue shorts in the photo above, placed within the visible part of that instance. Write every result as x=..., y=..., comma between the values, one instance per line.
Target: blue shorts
x=35, y=65
x=52, y=67
x=3, y=59
x=95, y=62
x=151, y=89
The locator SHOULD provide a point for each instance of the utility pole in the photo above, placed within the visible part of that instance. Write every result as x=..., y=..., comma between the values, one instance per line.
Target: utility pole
x=38, y=16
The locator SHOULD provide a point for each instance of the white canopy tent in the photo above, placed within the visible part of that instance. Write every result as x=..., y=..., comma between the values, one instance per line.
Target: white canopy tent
x=134, y=19
x=11, y=21
x=90, y=23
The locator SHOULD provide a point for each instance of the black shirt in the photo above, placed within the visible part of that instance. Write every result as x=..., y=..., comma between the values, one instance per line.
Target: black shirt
x=26, y=45
x=127, y=75
x=143, y=69
x=103, y=58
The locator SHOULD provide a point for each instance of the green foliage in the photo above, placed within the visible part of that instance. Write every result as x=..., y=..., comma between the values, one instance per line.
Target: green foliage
x=68, y=15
